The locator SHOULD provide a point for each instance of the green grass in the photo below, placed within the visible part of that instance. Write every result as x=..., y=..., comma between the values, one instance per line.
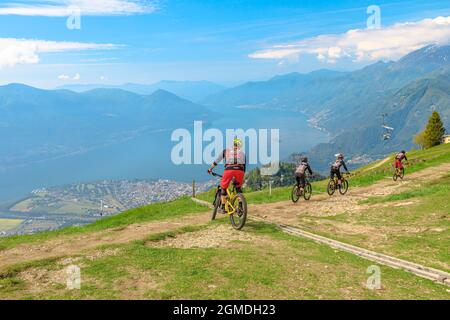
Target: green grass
x=277, y=266
x=439, y=187
x=284, y=267
x=417, y=231
x=154, y=212
x=418, y=159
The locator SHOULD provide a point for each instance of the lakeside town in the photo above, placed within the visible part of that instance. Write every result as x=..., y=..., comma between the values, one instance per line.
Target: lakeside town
x=80, y=203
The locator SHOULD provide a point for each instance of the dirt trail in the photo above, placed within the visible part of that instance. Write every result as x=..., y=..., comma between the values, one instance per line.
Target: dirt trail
x=324, y=205
x=379, y=164
x=74, y=244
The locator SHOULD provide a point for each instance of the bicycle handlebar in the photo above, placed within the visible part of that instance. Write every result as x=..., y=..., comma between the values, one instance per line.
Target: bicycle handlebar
x=215, y=174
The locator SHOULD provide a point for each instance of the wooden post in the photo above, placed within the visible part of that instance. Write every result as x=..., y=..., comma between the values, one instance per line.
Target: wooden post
x=193, y=188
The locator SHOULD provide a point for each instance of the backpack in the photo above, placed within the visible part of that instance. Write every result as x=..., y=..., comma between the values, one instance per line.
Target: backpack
x=337, y=165
x=302, y=168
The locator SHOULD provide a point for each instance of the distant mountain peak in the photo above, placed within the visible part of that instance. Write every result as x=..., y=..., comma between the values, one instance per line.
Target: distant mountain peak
x=19, y=88
x=190, y=90
x=291, y=75
x=164, y=93
x=432, y=53
x=166, y=96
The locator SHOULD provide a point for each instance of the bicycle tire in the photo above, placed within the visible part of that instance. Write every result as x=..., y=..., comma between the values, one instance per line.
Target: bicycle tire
x=307, y=192
x=343, y=188
x=295, y=196
x=242, y=208
x=331, y=187
x=216, y=203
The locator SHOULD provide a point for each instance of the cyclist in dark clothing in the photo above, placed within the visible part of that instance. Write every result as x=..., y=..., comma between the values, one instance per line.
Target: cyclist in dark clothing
x=300, y=173
x=336, y=167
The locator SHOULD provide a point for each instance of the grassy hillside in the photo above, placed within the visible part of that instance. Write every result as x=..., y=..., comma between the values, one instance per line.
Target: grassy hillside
x=170, y=250
x=408, y=219
x=261, y=263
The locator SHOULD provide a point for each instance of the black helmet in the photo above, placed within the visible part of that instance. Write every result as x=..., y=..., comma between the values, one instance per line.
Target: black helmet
x=403, y=151
x=304, y=159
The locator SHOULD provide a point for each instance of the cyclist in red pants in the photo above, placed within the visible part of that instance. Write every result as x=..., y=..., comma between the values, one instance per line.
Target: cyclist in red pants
x=235, y=161
x=399, y=158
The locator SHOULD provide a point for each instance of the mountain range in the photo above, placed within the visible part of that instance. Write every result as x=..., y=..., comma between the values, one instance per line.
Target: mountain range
x=191, y=90
x=36, y=124
x=349, y=105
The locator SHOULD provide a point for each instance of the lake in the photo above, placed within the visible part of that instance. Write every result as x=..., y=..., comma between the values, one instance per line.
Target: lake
x=148, y=156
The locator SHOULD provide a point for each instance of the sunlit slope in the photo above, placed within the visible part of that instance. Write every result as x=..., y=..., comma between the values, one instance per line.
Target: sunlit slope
x=172, y=251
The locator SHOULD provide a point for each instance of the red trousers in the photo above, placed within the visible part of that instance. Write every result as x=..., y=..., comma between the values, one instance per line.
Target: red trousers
x=228, y=176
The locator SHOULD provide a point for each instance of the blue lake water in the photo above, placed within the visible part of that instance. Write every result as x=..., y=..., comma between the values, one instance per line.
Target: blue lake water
x=149, y=155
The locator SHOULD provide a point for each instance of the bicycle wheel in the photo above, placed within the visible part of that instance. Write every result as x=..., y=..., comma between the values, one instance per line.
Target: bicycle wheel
x=343, y=188
x=295, y=194
x=395, y=176
x=402, y=173
x=239, y=218
x=331, y=188
x=216, y=204
x=308, y=191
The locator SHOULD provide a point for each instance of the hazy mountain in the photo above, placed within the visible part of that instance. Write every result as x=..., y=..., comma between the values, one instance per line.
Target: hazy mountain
x=349, y=105
x=40, y=124
x=291, y=91
x=326, y=90
x=191, y=90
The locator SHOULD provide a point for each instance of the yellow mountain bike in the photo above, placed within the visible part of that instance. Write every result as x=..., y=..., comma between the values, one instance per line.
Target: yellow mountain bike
x=235, y=207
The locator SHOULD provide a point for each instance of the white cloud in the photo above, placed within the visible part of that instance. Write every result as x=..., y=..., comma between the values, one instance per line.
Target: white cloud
x=390, y=42
x=103, y=78
x=76, y=77
x=63, y=77
x=64, y=8
x=23, y=51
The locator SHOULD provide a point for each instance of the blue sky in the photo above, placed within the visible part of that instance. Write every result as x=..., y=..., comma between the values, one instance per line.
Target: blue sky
x=223, y=41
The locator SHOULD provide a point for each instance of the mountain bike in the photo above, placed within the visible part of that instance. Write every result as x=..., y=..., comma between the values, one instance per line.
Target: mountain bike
x=334, y=185
x=398, y=173
x=235, y=206
x=297, y=192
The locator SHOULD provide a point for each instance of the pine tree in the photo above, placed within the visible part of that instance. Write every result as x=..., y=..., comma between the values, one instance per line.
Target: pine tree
x=434, y=131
